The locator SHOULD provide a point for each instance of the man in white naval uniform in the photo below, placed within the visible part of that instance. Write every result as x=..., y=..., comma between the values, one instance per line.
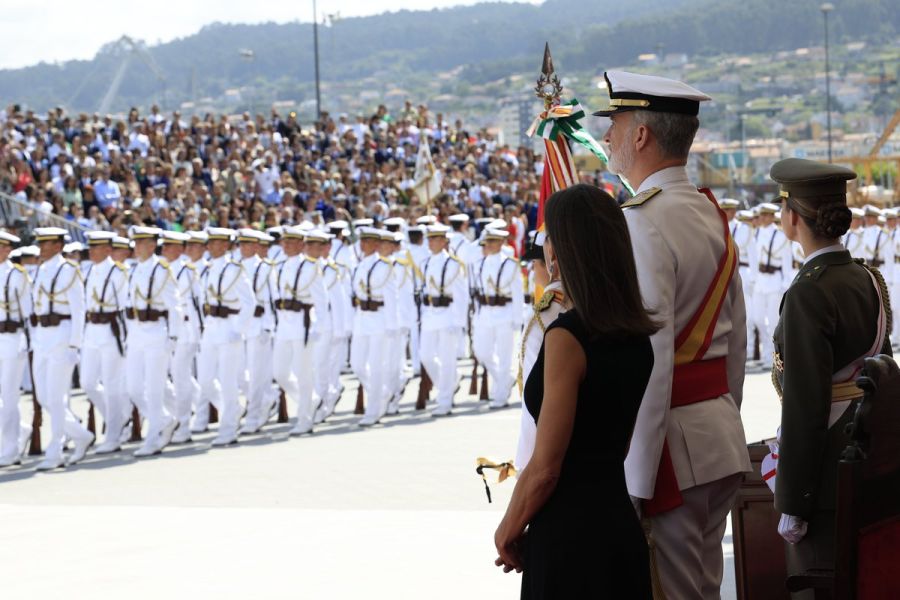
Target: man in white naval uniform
x=773, y=264
x=341, y=249
x=358, y=225
x=228, y=305
x=57, y=326
x=155, y=321
x=329, y=325
x=337, y=285
x=275, y=252
x=688, y=450
x=375, y=299
x=499, y=280
x=445, y=304
x=405, y=282
x=544, y=312
x=102, y=370
x=258, y=344
x=195, y=251
x=183, y=391
x=744, y=235
x=15, y=310
x=879, y=251
x=853, y=239
x=300, y=297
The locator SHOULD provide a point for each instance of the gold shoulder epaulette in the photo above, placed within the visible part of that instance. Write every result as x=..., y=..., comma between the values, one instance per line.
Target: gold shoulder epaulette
x=642, y=197
x=269, y=262
x=164, y=262
x=545, y=302
x=191, y=266
x=20, y=268
x=402, y=261
x=120, y=266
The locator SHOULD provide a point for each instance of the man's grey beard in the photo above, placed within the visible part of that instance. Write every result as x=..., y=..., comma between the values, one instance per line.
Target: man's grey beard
x=621, y=160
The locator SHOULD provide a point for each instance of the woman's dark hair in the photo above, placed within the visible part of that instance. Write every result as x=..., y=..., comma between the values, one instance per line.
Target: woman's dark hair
x=829, y=220
x=590, y=238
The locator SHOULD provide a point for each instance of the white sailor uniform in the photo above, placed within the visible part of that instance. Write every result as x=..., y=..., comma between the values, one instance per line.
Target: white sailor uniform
x=185, y=393
x=15, y=310
x=331, y=349
x=258, y=344
x=300, y=297
x=773, y=263
x=102, y=370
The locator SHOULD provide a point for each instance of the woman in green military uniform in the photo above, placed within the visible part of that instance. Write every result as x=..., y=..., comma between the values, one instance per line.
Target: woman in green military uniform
x=835, y=314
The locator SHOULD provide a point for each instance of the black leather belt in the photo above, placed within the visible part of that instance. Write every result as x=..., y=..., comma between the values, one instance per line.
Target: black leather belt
x=293, y=306
x=497, y=300
x=10, y=326
x=222, y=312
x=437, y=301
x=101, y=318
x=147, y=314
x=49, y=320
x=769, y=270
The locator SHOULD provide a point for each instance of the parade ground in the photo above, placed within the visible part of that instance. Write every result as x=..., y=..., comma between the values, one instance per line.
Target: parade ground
x=395, y=511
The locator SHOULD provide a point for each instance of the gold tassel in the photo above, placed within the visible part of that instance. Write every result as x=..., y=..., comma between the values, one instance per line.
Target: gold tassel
x=655, y=581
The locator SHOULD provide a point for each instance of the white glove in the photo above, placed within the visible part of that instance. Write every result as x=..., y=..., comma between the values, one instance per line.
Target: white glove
x=791, y=528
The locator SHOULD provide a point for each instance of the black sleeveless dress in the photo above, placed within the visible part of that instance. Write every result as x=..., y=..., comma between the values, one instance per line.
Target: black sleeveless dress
x=586, y=542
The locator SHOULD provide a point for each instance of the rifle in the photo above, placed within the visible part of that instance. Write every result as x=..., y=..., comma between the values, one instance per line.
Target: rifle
x=282, y=407
x=35, y=448
x=360, y=401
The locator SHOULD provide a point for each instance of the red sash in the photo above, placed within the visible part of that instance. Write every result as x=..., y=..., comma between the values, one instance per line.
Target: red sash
x=694, y=379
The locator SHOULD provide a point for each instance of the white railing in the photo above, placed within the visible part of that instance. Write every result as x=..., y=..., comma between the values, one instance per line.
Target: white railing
x=14, y=212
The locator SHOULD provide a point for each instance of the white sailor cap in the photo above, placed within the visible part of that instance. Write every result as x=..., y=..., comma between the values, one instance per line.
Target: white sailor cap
x=498, y=224
x=49, y=234
x=306, y=226
x=317, y=237
x=484, y=220
x=395, y=237
x=122, y=243
x=99, y=238
x=767, y=208
x=73, y=247
x=491, y=234
x=30, y=251
x=426, y=220
x=634, y=91
x=891, y=213
x=175, y=238
x=745, y=215
x=338, y=225
x=265, y=239
x=294, y=232
x=882, y=218
x=726, y=203
x=438, y=230
x=197, y=237
x=145, y=233
x=363, y=223
x=857, y=213
x=458, y=218
x=871, y=210
x=8, y=239
x=221, y=233
x=16, y=253
x=386, y=235
x=276, y=231
x=394, y=222
x=247, y=235
x=368, y=233
x=416, y=229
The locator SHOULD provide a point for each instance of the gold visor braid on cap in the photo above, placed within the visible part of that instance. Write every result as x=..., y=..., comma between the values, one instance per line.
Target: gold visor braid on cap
x=628, y=102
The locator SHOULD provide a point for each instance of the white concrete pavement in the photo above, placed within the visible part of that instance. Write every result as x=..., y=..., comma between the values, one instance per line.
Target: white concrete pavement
x=395, y=511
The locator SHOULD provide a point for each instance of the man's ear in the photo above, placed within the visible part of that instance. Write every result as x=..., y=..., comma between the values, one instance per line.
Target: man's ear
x=641, y=137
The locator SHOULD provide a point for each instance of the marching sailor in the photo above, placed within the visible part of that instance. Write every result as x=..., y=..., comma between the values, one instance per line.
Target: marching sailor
x=773, y=262
x=58, y=329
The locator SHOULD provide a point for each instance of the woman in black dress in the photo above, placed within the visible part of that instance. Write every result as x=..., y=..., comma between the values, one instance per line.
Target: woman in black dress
x=583, y=537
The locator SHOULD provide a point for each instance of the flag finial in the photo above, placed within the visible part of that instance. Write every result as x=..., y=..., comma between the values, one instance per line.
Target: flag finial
x=548, y=87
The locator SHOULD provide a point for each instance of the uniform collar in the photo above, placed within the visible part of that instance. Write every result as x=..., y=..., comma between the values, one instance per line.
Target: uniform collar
x=828, y=257
x=664, y=178
x=821, y=251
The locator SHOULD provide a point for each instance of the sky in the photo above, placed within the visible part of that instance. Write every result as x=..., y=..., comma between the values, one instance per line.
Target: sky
x=58, y=30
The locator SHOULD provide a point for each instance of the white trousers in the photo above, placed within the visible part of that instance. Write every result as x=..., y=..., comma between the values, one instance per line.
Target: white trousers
x=184, y=392
x=11, y=365
x=293, y=368
x=396, y=362
x=324, y=384
x=338, y=358
x=439, y=349
x=369, y=361
x=689, y=540
x=765, y=317
x=259, y=374
x=147, y=364
x=53, y=368
x=493, y=345
x=219, y=374
x=415, y=348
x=102, y=374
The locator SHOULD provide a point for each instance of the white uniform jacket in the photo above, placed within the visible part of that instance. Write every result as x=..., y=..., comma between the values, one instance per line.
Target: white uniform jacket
x=299, y=281
x=261, y=273
x=678, y=240
x=15, y=308
x=105, y=291
x=226, y=290
x=775, y=255
x=499, y=276
x=58, y=290
x=152, y=288
x=374, y=287
x=445, y=277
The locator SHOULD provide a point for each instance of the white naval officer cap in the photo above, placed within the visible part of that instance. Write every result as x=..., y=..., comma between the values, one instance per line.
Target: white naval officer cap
x=745, y=216
x=276, y=231
x=857, y=213
x=726, y=203
x=175, y=238
x=767, y=208
x=197, y=237
x=265, y=239
x=426, y=220
x=31, y=251
x=491, y=234
x=122, y=243
x=100, y=238
x=437, y=231
x=294, y=232
x=634, y=91
x=221, y=233
x=363, y=223
x=140, y=232
x=73, y=247
x=386, y=235
x=891, y=213
x=317, y=237
x=498, y=224
x=458, y=218
x=339, y=225
x=394, y=222
x=871, y=210
x=247, y=235
x=49, y=234
x=8, y=239
x=368, y=233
